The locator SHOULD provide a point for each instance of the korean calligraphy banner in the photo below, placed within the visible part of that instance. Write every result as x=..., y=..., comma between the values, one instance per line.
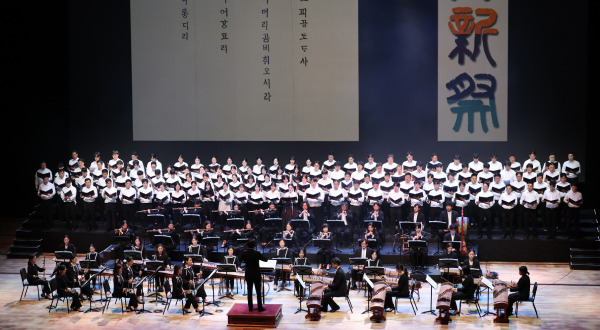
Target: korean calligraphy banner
x=472, y=70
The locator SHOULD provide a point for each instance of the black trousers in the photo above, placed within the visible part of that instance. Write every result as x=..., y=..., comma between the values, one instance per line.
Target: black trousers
x=457, y=296
x=45, y=285
x=69, y=214
x=317, y=211
x=389, y=298
x=530, y=220
x=132, y=298
x=508, y=221
x=110, y=216
x=418, y=257
x=76, y=304
x=47, y=208
x=254, y=283
x=88, y=215
x=512, y=298
x=572, y=218
x=328, y=299
x=552, y=216
x=487, y=214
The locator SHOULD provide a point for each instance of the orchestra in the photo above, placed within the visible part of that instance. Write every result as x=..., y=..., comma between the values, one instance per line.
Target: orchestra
x=350, y=196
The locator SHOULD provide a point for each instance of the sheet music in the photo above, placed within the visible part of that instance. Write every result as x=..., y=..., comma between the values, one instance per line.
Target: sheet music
x=487, y=282
x=431, y=282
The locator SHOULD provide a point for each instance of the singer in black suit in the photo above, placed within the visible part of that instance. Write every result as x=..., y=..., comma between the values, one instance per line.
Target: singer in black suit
x=336, y=289
x=252, y=257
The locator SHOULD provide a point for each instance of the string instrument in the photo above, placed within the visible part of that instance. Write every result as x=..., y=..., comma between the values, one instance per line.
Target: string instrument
x=315, y=297
x=44, y=266
x=156, y=230
x=316, y=278
x=462, y=230
x=378, y=301
x=501, y=302
x=443, y=302
x=133, y=285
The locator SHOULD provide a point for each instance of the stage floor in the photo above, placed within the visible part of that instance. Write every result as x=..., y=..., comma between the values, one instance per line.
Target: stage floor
x=565, y=299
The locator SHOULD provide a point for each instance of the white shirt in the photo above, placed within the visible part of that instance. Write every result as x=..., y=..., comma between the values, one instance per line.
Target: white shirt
x=131, y=195
x=571, y=166
x=109, y=191
x=530, y=197
x=72, y=198
x=317, y=199
x=508, y=176
x=398, y=196
x=573, y=196
x=509, y=198
x=92, y=190
x=484, y=194
x=552, y=196
x=537, y=168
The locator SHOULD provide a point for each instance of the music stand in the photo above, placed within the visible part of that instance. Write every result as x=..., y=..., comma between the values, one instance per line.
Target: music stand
x=489, y=286
x=455, y=245
x=196, y=258
x=358, y=262
x=447, y=264
x=154, y=265
x=371, y=271
x=122, y=240
x=417, y=244
x=89, y=280
x=370, y=284
x=283, y=261
x=436, y=227
x=135, y=254
x=273, y=222
x=297, y=223
x=165, y=240
x=65, y=256
x=377, y=224
x=209, y=277
x=209, y=241
x=235, y=223
x=301, y=270
x=432, y=285
x=88, y=264
x=408, y=226
x=141, y=282
x=266, y=267
x=226, y=268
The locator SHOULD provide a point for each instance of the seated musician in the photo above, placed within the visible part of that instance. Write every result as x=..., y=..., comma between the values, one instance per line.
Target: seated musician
x=231, y=259
x=282, y=252
x=120, y=288
x=75, y=275
x=356, y=273
x=345, y=232
x=374, y=260
x=171, y=232
x=64, y=289
x=324, y=252
x=33, y=277
x=123, y=231
x=418, y=256
x=336, y=289
x=66, y=245
x=269, y=227
x=467, y=292
x=371, y=233
x=301, y=260
x=161, y=255
x=521, y=292
x=449, y=252
x=129, y=275
x=401, y=290
x=448, y=216
x=416, y=215
x=305, y=213
x=188, y=278
x=178, y=291
x=471, y=261
x=451, y=235
x=290, y=236
x=138, y=246
x=92, y=256
x=195, y=248
x=229, y=232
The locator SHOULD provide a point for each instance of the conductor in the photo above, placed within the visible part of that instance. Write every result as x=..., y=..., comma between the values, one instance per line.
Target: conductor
x=251, y=257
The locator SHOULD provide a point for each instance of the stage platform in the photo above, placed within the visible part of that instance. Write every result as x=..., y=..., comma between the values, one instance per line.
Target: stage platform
x=240, y=316
x=566, y=299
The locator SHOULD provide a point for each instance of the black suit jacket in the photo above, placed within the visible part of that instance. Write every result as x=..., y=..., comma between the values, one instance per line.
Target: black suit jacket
x=380, y=215
x=32, y=270
x=311, y=216
x=444, y=216
x=475, y=263
x=358, y=253
x=420, y=217
x=448, y=237
x=251, y=258
x=62, y=284
x=178, y=287
x=338, y=288
x=349, y=217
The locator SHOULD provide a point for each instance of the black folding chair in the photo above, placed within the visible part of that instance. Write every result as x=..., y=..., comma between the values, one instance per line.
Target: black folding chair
x=472, y=301
x=56, y=297
x=170, y=298
x=410, y=298
x=26, y=285
x=108, y=298
x=531, y=299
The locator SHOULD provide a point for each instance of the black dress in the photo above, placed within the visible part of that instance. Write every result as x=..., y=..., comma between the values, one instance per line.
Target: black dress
x=63, y=290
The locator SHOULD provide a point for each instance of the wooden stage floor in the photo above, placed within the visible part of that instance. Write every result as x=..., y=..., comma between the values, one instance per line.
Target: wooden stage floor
x=565, y=300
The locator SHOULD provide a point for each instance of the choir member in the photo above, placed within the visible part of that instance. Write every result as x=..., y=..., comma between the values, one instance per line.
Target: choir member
x=571, y=168
x=475, y=166
x=551, y=198
x=534, y=162
x=68, y=195
x=455, y=167
x=508, y=201
x=530, y=200
x=574, y=200
x=484, y=201
x=396, y=199
x=89, y=194
x=46, y=192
